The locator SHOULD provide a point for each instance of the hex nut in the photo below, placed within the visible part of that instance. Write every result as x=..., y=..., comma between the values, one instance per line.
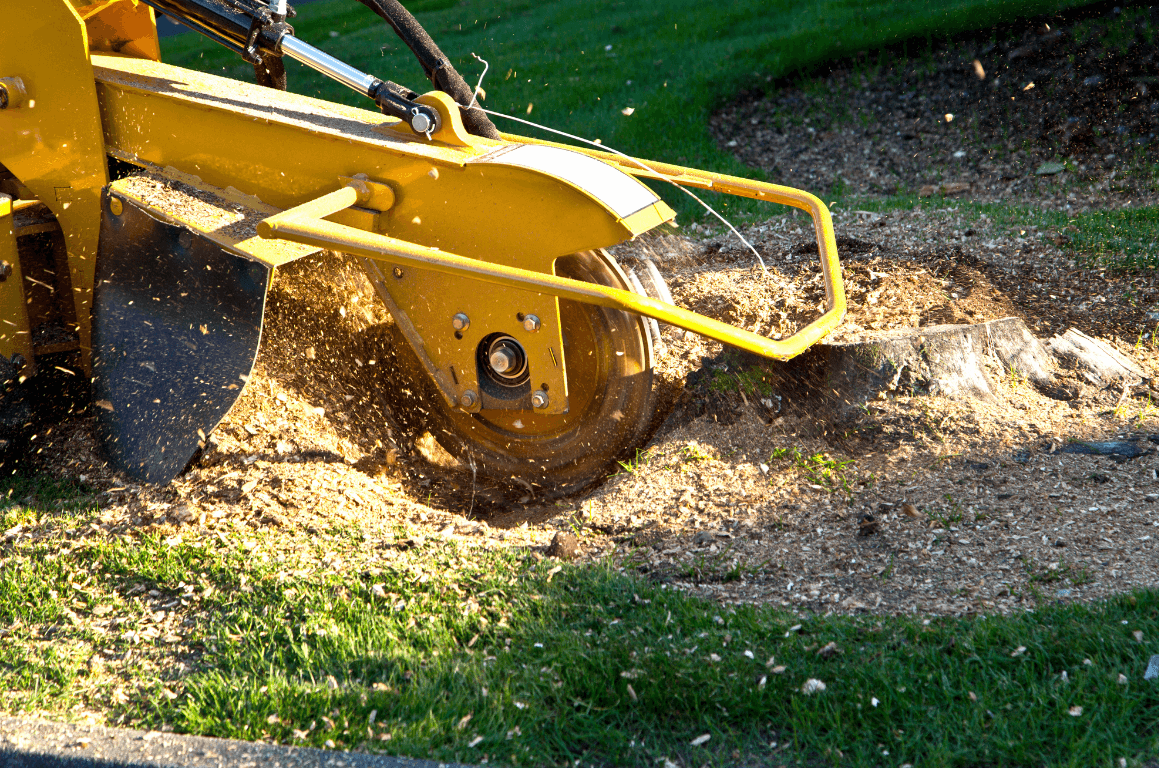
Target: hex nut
x=531, y=324
x=468, y=399
x=539, y=399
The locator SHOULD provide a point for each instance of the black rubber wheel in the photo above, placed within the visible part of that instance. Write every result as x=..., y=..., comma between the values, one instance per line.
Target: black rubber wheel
x=610, y=391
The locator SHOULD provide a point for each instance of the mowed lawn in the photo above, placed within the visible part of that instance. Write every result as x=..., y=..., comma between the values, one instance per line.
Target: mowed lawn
x=577, y=65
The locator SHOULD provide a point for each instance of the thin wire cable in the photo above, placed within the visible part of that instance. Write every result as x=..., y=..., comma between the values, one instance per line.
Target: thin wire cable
x=615, y=151
x=478, y=85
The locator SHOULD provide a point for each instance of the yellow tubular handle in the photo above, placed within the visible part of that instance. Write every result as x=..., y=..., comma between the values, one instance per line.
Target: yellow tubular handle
x=738, y=187
x=305, y=224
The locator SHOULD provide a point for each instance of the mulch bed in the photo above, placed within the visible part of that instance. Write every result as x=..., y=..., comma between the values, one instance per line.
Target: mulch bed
x=1014, y=112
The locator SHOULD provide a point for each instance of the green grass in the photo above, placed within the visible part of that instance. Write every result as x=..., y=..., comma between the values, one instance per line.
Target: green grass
x=1120, y=240
x=466, y=655
x=578, y=63
x=820, y=469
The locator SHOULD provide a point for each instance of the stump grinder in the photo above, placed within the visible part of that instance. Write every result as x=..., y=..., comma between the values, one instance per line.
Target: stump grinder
x=144, y=208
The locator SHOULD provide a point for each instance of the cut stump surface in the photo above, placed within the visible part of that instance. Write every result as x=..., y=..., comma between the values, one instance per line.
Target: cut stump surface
x=947, y=360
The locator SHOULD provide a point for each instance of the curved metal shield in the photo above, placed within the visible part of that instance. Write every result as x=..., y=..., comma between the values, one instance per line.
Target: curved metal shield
x=176, y=324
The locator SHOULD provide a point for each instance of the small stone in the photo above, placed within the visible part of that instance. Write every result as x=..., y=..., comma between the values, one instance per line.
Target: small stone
x=1152, y=672
x=564, y=546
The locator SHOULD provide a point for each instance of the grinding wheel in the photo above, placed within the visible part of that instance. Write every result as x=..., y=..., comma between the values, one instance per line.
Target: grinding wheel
x=609, y=362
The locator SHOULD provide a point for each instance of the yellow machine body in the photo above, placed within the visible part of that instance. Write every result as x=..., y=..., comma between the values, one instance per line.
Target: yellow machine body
x=462, y=234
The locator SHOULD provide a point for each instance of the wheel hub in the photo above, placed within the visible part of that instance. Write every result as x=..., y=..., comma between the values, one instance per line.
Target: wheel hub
x=506, y=361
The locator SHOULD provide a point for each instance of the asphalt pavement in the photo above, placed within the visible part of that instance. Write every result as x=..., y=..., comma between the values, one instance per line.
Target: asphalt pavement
x=27, y=743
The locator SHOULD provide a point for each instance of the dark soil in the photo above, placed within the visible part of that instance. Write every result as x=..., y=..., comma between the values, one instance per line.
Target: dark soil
x=1011, y=111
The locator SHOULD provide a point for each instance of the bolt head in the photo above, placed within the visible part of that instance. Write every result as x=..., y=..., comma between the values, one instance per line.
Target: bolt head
x=501, y=361
x=116, y=207
x=539, y=399
x=460, y=322
x=468, y=399
x=532, y=324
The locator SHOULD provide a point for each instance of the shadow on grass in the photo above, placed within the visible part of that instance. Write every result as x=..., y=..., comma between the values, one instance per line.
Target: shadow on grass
x=445, y=652
x=460, y=656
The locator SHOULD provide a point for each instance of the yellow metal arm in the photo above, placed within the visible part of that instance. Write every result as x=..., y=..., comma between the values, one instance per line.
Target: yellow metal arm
x=305, y=224
x=735, y=185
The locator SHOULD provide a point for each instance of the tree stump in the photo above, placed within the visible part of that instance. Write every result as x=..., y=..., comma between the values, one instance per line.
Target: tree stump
x=946, y=360
x=1095, y=360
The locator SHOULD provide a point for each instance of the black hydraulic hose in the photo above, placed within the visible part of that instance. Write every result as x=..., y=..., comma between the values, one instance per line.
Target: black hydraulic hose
x=438, y=68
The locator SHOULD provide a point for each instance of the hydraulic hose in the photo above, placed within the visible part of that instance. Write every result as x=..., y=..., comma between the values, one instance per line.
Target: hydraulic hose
x=437, y=67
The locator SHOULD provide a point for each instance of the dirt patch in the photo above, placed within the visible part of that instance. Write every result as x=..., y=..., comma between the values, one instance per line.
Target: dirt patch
x=754, y=494
x=315, y=443
x=1061, y=110
x=747, y=492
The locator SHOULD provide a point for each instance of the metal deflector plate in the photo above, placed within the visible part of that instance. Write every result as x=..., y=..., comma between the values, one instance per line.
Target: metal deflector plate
x=176, y=325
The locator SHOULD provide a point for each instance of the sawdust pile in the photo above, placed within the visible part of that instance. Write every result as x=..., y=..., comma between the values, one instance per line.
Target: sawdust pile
x=314, y=440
